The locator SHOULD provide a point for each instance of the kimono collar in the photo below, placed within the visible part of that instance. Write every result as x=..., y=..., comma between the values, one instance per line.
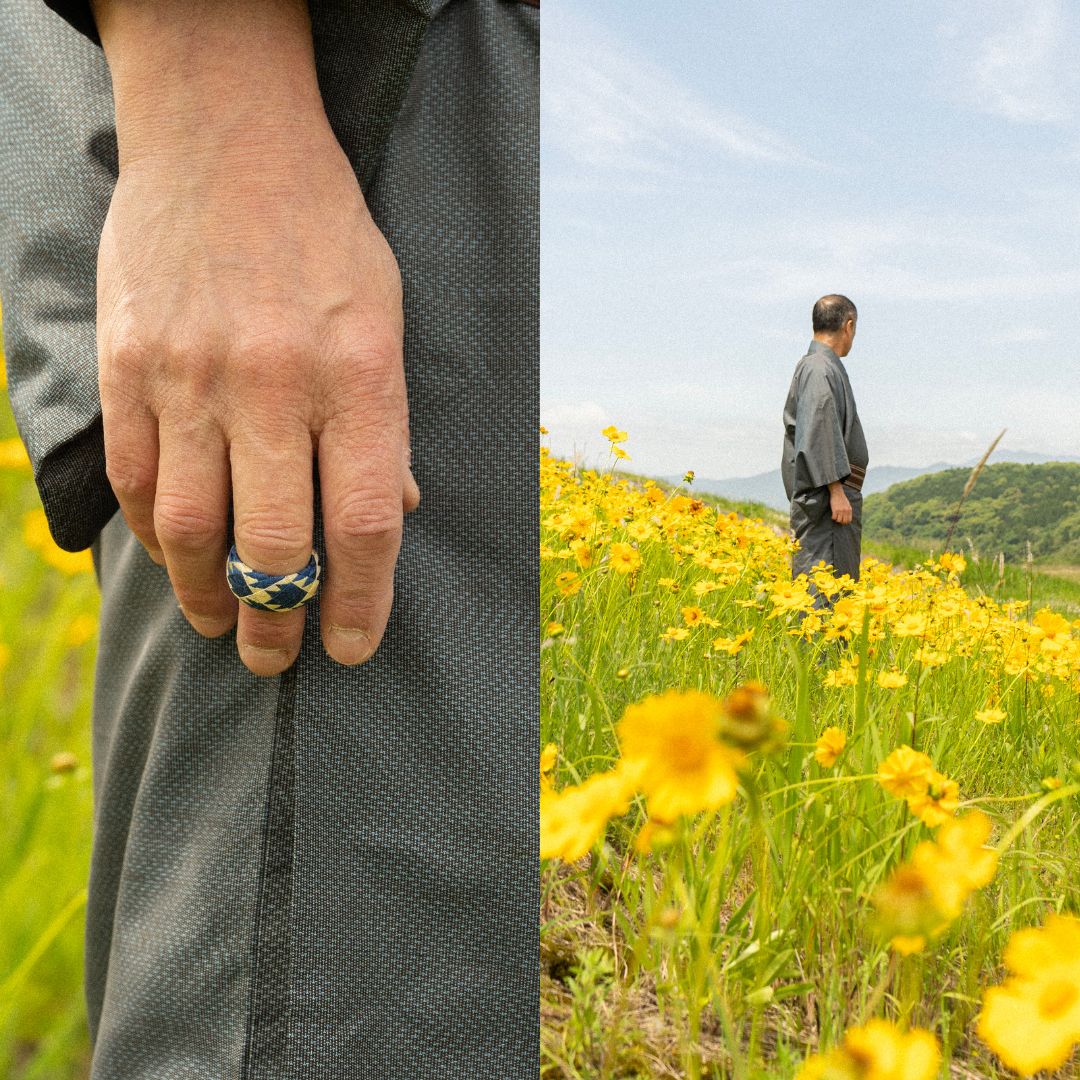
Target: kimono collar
x=820, y=346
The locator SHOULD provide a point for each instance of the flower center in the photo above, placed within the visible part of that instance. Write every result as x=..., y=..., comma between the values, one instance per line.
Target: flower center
x=1057, y=999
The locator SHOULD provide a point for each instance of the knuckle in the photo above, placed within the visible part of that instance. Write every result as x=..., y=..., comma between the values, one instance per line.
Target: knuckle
x=274, y=631
x=125, y=348
x=203, y=602
x=264, y=346
x=368, y=515
x=182, y=521
x=130, y=480
x=272, y=540
x=362, y=601
x=372, y=371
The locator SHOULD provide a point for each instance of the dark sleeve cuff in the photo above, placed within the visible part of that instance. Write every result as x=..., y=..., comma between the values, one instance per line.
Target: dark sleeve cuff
x=78, y=13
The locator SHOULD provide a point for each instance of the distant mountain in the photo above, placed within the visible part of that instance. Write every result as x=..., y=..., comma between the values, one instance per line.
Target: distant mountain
x=1012, y=504
x=768, y=487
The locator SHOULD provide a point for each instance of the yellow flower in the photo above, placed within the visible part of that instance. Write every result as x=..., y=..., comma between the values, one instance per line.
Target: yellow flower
x=952, y=563
x=624, y=558
x=991, y=716
x=63, y=761
x=878, y=1050
x=583, y=552
x=922, y=896
x=845, y=675
x=1032, y=1020
x=572, y=820
x=620, y=453
x=568, y=582
x=905, y=772
x=930, y=658
x=674, y=738
x=938, y=802
x=959, y=859
x=891, y=680
x=913, y=625
x=692, y=616
x=653, y=834
x=548, y=756
x=732, y=646
x=13, y=455
x=613, y=434
x=36, y=535
x=554, y=629
x=1052, y=624
x=749, y=721
x=830, y=746
x=675, y=633
x=80, y=630
x=790, y=596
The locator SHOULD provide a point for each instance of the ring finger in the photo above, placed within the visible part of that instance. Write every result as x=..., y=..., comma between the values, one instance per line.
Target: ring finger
x=273, y=507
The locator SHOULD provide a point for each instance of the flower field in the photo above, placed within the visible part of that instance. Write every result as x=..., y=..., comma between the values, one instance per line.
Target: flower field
x=812, y=829
x=48, y=628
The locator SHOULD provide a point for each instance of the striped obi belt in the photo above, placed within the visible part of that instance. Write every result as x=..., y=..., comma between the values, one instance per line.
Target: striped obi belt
x=856, y=477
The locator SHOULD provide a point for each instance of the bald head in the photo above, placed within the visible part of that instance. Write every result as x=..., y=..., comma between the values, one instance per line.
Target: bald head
x=834, y=323
x=831, y=312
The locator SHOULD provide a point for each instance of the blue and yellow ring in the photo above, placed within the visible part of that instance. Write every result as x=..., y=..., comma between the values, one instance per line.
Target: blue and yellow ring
x=271, y=592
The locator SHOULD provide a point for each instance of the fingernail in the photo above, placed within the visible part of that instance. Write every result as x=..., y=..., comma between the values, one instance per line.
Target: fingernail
x=264, y=660
x=349, y=645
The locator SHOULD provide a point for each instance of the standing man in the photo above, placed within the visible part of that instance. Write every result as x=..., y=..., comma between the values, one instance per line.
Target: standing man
x=825, y=454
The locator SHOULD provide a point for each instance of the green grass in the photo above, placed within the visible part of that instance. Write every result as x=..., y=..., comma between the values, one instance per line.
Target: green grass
x=45, y=702
x=1056, y=587
x=754, y=928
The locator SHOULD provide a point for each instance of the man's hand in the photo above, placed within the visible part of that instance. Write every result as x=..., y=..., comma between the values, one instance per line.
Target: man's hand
x=838, y=501
x=249, y=324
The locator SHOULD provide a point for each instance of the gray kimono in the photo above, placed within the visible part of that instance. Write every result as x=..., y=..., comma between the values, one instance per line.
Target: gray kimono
x=823, y=443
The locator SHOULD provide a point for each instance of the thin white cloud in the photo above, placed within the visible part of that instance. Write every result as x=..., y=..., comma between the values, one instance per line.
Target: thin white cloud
x=612, y=110
x=1012, y=60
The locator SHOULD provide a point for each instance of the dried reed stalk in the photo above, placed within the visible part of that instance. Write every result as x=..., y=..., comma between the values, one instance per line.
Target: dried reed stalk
x=969, y=486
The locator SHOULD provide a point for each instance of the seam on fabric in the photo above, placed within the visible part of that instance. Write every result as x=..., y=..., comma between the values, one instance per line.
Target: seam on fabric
x=269, y=988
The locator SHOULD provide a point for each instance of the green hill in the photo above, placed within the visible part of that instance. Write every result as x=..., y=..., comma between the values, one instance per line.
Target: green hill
x=1011, y=506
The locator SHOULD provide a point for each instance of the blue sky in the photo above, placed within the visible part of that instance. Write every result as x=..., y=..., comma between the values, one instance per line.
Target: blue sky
x=709, y=170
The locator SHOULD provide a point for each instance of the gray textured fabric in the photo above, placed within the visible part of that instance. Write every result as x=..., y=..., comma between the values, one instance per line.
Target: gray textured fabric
x=823, y=439
x=823, y=436
x=821, y=539
x=333, y=874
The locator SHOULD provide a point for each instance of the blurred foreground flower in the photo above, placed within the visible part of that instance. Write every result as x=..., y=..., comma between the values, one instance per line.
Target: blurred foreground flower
x=1032, y=1020
x=877, y=1051
x=13, y=456
x=37, y=537
x=680, y=749
x=572, y=820
x=674, y=738
x=921, y=897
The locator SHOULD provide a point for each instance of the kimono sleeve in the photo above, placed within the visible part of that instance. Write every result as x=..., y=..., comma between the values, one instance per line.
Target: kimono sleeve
x=820, y=452
x=79, y=15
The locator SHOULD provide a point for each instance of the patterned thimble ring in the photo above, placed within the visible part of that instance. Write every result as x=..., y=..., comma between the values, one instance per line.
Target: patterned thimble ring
x=271, y=592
